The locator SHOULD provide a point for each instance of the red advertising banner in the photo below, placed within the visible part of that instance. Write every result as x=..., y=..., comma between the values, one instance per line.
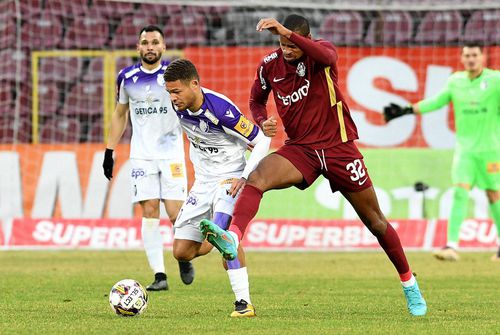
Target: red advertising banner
x=277, y=235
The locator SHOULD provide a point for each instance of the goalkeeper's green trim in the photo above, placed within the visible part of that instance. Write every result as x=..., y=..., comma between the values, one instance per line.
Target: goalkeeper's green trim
x=476, y=104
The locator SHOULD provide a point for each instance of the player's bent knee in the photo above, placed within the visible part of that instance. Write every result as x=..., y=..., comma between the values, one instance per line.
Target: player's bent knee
x=183, y=255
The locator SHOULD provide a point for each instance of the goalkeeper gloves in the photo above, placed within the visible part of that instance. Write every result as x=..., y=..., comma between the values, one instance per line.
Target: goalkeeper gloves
x=393, y=111
x=108, y=163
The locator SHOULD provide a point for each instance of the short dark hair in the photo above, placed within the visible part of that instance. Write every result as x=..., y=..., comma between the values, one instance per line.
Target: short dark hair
x=151, y=28
x=181, y=69
x=297, y=24
x=474, y=44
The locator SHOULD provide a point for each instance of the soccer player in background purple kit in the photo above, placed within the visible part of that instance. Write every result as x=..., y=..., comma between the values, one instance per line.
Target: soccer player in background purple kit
x=303, y=76
x=156, y=148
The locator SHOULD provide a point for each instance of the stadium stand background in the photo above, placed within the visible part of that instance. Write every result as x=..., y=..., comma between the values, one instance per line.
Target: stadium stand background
x=70, y=89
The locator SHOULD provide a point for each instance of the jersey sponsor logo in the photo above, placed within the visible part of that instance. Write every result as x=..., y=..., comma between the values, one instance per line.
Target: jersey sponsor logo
x=295, y=96
x=261, y=77
x=244, y=126
x=270, y=57
x=177, y=170
x=192, y=200
x=301, y=69
x=134, y=79
x=151, y=110
x=277, y=80
x=211, y=150
x=138, y=173
x=483, y=85
x=211, y=117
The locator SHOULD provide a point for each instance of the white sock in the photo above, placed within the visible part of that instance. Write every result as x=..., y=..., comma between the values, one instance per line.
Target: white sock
x=409, y=282
x=239, y=283
x=235, y=237
x=453, y=245
x=153, y=243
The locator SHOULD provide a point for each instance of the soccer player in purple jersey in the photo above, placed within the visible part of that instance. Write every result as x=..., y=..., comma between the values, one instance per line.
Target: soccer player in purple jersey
x=303, y=76
x=219, y=135
x=156, y=150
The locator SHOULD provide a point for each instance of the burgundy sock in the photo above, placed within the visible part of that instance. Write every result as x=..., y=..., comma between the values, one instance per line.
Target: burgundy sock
x=245, y=209
x=392, y=247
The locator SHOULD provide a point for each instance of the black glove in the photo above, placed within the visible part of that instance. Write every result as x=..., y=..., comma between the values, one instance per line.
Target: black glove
x=108, y=163
x=393, y=111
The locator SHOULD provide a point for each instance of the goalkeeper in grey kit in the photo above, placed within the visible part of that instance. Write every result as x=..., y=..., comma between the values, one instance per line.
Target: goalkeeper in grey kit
x=475, y=94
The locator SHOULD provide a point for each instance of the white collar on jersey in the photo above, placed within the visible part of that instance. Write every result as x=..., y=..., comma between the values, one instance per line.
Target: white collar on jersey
x=151, y=71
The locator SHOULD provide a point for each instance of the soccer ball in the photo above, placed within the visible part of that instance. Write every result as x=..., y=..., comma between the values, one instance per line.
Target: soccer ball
x=128, y=298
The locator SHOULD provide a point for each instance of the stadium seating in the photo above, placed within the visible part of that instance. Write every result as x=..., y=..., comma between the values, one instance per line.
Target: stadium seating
x=444, y=27
x=390, y=28
x=12, y=131
x=48, y=98
x=87, y=32
x=113, y=9
x=483, y=26
x=67, y=9
x=30, y=8
x=60, y=69
x=12, y=62
x=84, y=99
x=7, y=30
x=43, y=31
x=7, y=97
x=185, y=29
x=60, y=130
x=342, y=28
x=126, y=34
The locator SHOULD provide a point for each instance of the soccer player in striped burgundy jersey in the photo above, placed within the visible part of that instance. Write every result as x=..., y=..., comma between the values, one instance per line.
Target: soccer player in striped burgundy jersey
x=303, y=76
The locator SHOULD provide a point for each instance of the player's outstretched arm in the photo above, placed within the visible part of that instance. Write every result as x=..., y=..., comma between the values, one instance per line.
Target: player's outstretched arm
x=393, y=111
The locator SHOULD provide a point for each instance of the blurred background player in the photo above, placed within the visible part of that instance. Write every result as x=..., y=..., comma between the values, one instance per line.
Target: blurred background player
x=302, y=74
x=475, y=94
x=219, y=135
x=156, y=151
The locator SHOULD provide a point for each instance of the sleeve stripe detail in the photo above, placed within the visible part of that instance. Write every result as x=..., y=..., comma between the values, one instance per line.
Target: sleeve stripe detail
x=331, y=88
x=340, y=113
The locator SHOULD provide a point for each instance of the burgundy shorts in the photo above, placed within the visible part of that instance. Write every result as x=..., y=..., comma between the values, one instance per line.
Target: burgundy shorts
x=342, y=165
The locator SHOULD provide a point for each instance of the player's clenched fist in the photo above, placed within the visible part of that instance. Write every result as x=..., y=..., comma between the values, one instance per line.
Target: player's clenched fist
x=393, y=111
x=269, y=127
x=108, y=163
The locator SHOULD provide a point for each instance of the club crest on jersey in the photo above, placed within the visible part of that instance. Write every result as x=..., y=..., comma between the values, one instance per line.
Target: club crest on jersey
x=244, y=126
x=204, y=126
x=160, y=80
x=301, y=69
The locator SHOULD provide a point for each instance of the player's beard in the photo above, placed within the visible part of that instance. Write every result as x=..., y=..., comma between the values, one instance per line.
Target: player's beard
x=150, y=61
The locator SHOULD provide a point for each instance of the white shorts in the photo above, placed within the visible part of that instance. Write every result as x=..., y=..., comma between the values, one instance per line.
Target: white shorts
x=158, y=179
x=204, y=199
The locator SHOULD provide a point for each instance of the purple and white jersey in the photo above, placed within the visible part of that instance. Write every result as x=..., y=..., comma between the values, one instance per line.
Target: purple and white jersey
x=156, y=133
x=218, y=133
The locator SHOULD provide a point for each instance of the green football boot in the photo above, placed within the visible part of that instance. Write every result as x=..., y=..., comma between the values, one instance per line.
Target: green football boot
x=220, y=239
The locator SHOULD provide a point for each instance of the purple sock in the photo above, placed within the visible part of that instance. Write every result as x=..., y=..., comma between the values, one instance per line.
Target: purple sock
x=223, y=220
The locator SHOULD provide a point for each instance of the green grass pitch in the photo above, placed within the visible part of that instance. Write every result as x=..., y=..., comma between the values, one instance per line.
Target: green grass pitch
x=65, y=292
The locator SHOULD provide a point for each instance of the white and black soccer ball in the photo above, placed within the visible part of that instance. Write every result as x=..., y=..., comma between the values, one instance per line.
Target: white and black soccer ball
x=128, y=298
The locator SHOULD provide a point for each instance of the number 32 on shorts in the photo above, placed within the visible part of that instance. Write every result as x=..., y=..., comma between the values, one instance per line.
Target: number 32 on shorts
x=357, y=171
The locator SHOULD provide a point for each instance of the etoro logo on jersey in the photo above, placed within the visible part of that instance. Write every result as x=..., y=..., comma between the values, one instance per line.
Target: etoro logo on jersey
x=295, y=96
